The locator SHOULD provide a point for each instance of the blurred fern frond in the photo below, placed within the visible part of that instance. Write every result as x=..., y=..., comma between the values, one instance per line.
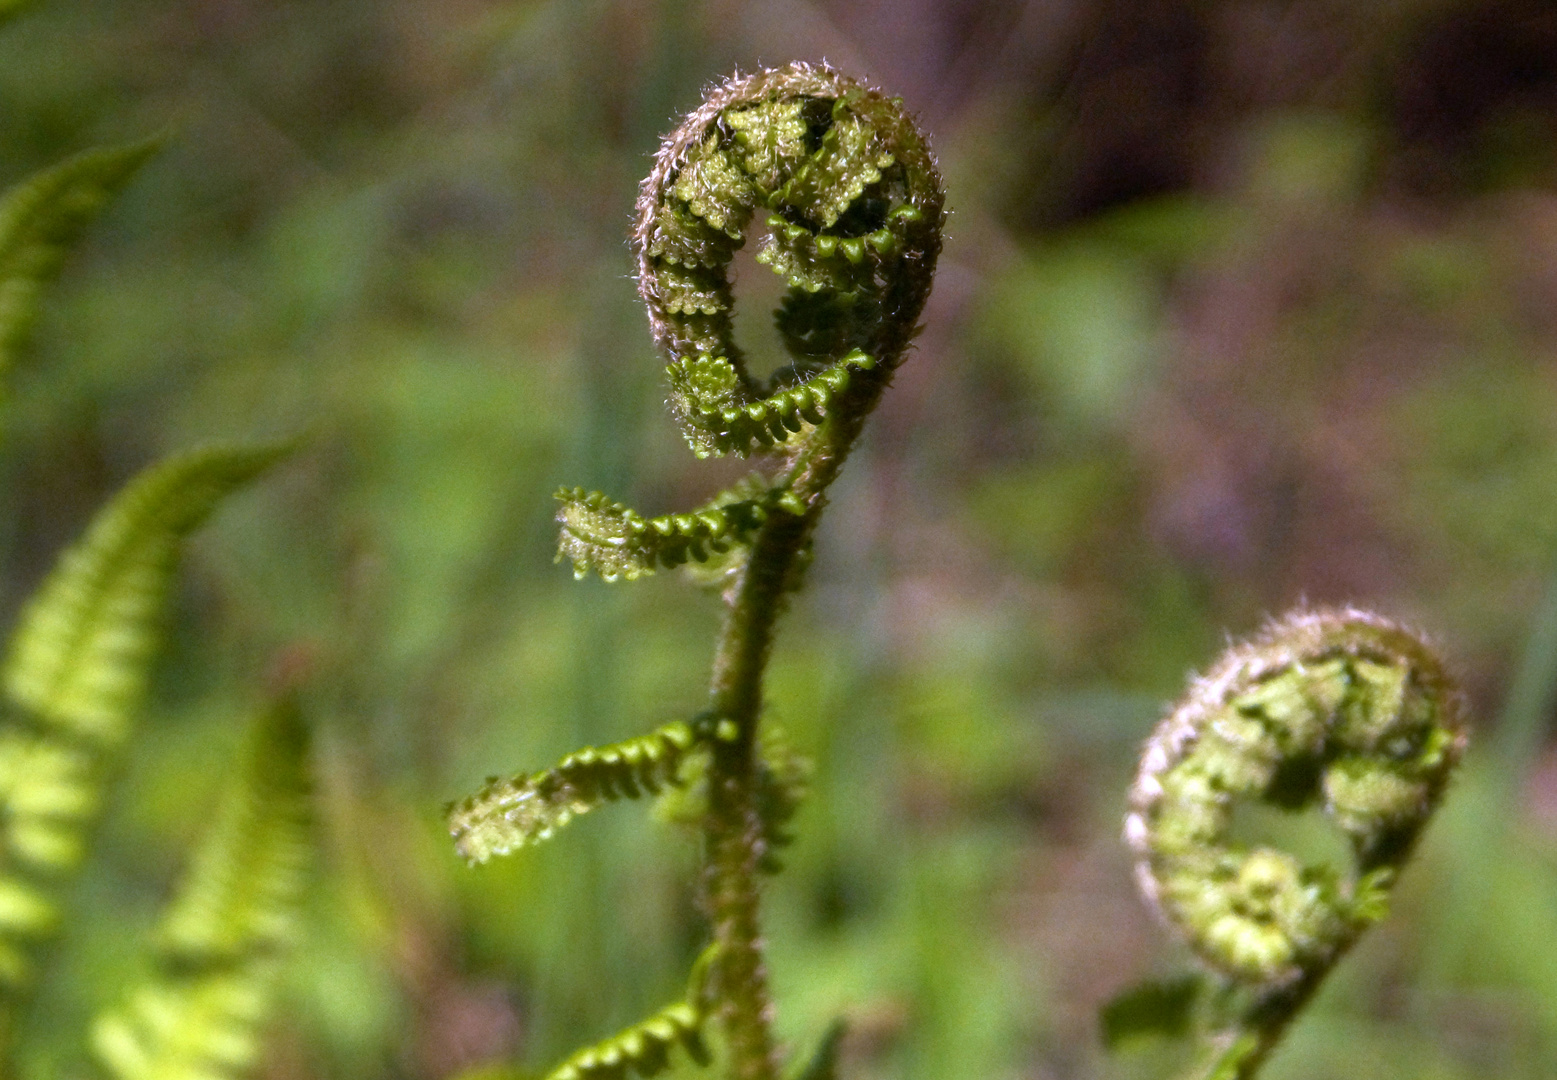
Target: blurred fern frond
x=823, y=1063
x=43, y=215
x=782, y=780
x=75, y=675
x=222, y=938
x=80, y=656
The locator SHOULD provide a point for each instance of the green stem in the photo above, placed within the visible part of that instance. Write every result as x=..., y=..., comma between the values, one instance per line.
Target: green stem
x=1241, y=1050
x=734, y=830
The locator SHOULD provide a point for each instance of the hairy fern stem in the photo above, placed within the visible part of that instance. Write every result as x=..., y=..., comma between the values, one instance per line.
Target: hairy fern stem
x=854, y=209
x=734, y=834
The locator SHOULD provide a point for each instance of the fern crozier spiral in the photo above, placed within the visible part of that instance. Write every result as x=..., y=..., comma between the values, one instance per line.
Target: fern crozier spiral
x=854, y=209
x=1339, y=709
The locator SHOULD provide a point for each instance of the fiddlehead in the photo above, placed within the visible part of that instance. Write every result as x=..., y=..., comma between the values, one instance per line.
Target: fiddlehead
x=1340, y=710
x=854, y=211
x=854, y=208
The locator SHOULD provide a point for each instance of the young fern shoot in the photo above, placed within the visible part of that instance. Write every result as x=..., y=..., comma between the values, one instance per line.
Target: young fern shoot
x=854, y=208
x=1340, y=710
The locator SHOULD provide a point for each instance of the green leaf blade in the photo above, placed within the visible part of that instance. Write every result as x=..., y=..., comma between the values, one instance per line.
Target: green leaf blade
x=1152, y=1009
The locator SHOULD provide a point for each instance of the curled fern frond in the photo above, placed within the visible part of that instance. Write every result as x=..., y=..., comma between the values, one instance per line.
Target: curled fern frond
x=42, y=216
x=505, y=815
x=1341, y=710
x=618, y=543
x=222, y=939
x=643, y=1049
x=854, y=208
x=80, y=656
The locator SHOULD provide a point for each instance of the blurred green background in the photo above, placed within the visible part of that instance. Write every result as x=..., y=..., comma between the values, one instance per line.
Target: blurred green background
x=1244, y=302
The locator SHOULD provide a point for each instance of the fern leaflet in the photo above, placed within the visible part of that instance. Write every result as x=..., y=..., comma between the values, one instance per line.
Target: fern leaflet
x=620, y=544
x=782, y=780
x=75, y=675
x=80, y=656
x=221, y=939
x=643, y=1048
x=42, y=216
x=507, y=814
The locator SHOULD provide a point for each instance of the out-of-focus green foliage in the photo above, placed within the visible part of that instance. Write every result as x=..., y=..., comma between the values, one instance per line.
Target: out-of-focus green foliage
x=226, y=933
x=40, y=218
x=75, y=677
x=79, y=660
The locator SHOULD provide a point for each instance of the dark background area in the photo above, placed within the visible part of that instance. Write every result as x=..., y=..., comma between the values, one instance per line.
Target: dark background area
x=1244, y=304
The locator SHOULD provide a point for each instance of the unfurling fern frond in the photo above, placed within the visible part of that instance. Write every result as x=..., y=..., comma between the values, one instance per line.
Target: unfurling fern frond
x=618, y=543
x=78, y=665
x=41, y=217
x=507, y=814
x=643, y=1049
x=1339, y=710
x=80, y=657
x=854, y=206
x=222, y=939
x=855, y=212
